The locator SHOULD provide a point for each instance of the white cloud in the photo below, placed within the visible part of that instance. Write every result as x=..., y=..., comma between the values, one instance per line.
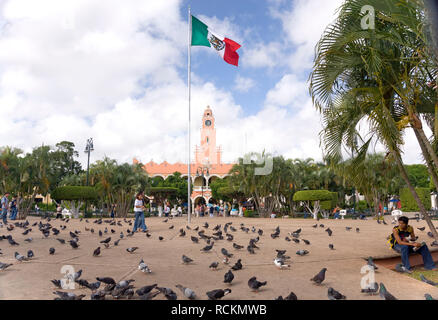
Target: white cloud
x=243, y=84
x=70, y=70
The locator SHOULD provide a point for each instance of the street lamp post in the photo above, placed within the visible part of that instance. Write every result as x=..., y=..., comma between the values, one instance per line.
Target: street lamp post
x=202, y=172
x=88, y=148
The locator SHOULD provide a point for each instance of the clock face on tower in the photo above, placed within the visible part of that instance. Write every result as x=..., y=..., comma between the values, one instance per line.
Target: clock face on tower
x=207, y=123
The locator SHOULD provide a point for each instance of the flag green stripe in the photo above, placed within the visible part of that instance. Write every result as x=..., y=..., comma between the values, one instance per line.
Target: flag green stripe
x=199, y=33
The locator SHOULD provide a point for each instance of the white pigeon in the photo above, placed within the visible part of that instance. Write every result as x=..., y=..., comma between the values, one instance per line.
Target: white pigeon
x=280, y=263
x=143, y=267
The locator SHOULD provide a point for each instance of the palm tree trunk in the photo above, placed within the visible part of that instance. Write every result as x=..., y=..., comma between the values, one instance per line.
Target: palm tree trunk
x=414, y=193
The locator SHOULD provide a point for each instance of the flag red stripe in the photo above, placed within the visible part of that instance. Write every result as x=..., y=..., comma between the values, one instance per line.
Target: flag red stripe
x=230, y=54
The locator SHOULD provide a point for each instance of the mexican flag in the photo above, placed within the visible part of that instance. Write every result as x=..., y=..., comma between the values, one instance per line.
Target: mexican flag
x=203, y=36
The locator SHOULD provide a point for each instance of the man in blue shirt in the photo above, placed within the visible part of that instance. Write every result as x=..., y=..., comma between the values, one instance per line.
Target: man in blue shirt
x=4, y=204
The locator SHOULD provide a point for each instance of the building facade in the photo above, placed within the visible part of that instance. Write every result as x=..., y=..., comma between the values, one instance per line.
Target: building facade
x=206, y=167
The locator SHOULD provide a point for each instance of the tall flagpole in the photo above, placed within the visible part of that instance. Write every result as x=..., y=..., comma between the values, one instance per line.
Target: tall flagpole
x=188, y=80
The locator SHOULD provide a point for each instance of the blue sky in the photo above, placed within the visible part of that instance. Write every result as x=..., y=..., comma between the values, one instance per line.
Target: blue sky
x=117, y=71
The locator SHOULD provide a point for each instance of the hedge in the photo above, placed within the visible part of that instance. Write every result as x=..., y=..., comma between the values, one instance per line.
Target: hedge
x=313, y=195
x=74, y=193
x=330, y=204
x=408, y=202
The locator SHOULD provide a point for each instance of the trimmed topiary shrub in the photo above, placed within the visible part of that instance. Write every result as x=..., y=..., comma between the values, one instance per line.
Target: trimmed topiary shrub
x=73, y=197
x=313, y=199
x=408, y=202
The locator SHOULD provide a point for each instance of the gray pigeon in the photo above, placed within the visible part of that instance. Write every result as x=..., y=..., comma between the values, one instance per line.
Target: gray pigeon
x=371, y=263
x=186, y=260
x=423, y=278
x=319, y=278
x=68, y=295
x=302, y=252
x=428, y=297
x=217, y=294
x=4, y=266
x=131, y=249
x=226, y=253
x=207, y=248
x=335, y=295
x=20, y=257
x=214, y=265
x=30, y=254
x=254, y=284
x=331, y=246
x=228, y=277
x=188, y=293
x=384, y=294
x=52, y=251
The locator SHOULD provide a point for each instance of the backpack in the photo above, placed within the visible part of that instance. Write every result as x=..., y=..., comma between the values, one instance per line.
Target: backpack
x=391, y=239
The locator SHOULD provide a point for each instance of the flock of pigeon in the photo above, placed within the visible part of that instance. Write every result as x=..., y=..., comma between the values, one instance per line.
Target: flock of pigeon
x=125, y=289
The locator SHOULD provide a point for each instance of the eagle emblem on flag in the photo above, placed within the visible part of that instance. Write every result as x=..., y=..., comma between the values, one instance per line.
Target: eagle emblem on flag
x=216, y=42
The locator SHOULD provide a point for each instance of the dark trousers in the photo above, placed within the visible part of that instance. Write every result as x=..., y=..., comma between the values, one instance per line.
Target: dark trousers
x=406, y=250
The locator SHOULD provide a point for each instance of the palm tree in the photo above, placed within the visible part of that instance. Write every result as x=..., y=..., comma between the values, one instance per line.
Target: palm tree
x=374, y=78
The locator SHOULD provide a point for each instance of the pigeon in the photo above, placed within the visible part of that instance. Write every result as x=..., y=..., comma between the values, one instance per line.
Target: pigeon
x=188, y=293
x=116, y=243
x=52, y=251
x=217, y=294
x=143, y=267
x=371, y=289
x=186, y=260
x=68, y=295
x=321, y=225
x=384, y=294
x=280, y=263
x=226, y=253
x=20, y=257
x=96, y=252
x=260, y=232
x=100, y=233
x=348, y=228
x=250, y=250
x=430, y=234
x=422, y=228
x=302, y=252
x=168, y=293
x=57, y=283
x=214, y=265
x=371, y=263
x=423, y=278
x=106, y=280
x=291, y=296
x=207, y=248
x=160, y=238
x=428, y=297
x=319, y=278
x=329, y=231
x=357, y=230
x=237, y=265
x=107, y=240
x=28, y=240
x=205, y=225
x=131, y=249
x=254, y=284
x=146, y=289
x=194, y=239
x=315, y=226
x=62, y=241
x=75, y=276
x=4, y=266
x=331, y=246
x=228, y=277
x=149, y=295
x=171, y=227
x=306, y=241
x=30, y=254
x=165, y=220
x=335, y=295
x=12, y=241
x=73, y=244
x=93, y=286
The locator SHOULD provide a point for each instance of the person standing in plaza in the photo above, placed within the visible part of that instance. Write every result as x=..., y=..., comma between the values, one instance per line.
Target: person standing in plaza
x=113, y=211
x=14, y=208
x=5, y=205
x=139, y=213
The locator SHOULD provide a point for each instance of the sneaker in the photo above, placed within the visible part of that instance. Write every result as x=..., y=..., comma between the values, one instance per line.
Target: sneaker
x=401, y=268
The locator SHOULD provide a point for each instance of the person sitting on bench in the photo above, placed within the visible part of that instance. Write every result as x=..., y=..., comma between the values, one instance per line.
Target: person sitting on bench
x=399, y=242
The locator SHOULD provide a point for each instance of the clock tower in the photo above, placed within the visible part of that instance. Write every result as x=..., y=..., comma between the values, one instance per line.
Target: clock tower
x=208, y=153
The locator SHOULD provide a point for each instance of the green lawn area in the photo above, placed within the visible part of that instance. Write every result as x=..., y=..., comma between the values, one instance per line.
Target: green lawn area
x=430, y=275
